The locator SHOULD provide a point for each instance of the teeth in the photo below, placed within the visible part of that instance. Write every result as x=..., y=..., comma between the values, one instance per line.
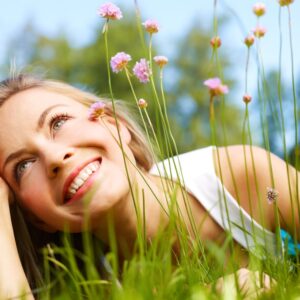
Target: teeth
x=80, y=179
x=85, y=175
x=89, y=171
x=94, y=167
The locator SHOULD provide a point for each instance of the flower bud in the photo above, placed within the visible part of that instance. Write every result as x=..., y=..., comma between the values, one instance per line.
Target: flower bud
x=142, y=103
x=216, y=42
x=285, y=2
x=160, y=60
x=247, y=98
x=249, y=40
x=259, y=9
x=259, y=31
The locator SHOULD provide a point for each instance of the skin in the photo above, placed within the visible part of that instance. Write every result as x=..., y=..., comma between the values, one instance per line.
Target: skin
x=53, y=152
x=247, y=180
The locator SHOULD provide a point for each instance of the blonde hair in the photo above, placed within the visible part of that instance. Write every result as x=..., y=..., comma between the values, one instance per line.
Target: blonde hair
x=139, y=145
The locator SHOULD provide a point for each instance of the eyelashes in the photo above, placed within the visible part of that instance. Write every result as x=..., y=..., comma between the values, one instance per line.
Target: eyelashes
x=20, y=168
x=55, y=123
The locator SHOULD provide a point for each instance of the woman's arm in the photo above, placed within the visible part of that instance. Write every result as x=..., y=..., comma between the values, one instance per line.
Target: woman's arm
x=285, y=179
x=247, y=172
x=13, y=282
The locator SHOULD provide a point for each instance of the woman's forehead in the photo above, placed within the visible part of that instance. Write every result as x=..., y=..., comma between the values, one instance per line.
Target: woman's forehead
x=20, y=114
x=39, y=97
x=29, y=103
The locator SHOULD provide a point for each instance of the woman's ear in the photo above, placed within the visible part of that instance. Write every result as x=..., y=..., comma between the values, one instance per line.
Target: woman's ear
x=123, y=129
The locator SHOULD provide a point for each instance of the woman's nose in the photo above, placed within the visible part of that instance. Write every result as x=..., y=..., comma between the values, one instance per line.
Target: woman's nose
x=56, y=158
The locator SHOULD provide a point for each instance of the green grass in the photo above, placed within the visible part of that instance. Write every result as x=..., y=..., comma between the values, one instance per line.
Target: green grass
x=155, y=272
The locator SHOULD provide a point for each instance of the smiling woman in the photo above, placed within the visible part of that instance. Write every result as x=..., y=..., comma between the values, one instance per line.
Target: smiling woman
x=67, y=171
x=55, y=145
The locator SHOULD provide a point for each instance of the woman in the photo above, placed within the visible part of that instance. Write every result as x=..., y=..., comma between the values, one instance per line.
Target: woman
x=67, y=171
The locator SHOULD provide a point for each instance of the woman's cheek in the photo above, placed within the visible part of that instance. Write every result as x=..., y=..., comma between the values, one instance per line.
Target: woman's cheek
x=34, y=196
x=29, y=198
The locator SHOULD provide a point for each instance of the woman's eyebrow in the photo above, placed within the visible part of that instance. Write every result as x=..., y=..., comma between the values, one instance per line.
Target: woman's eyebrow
x=13, y=156
x=44, y=114
x=40, y=125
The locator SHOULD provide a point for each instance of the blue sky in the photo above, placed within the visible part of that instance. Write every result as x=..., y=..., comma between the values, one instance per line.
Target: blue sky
x=78, y=19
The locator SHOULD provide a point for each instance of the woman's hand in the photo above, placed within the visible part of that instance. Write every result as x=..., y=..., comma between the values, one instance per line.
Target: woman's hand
x=13, y=282
x=5, y=220
x=4, y=190
x=250, y=283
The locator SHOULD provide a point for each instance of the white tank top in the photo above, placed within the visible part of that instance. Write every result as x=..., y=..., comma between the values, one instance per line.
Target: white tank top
x=200, y=179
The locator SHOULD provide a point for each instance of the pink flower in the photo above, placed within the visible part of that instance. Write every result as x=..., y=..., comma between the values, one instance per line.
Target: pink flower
x=216, y=87
x=285, y=2
x=259, y=9
x=96, y=110
x=109, y=10
x=119, y=61
x=249, y=40
x=216, y=42
x=151, y=26
x=142, y=71
x=272, y=195
x=142, y=103
x=247, y=98
x=259, y=31
x=160, y=60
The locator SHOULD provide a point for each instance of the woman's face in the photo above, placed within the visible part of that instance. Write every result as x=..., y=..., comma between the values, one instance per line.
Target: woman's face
x=59, y=164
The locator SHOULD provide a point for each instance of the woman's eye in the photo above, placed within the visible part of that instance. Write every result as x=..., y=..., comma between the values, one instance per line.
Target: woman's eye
x=21, y=167
x=56, y=126
x=58, y=120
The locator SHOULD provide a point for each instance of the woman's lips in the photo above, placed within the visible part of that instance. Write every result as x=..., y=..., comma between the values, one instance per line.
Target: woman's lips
x=83, y=189
x=69, y=184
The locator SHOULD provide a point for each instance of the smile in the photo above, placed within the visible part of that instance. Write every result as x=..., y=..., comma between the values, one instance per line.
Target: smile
x=80, y=180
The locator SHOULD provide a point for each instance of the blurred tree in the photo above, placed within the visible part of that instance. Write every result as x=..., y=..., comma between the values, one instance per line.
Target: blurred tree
x=190, y=99
x=268, y=100
x=295, y=150
x=187, y=98
x=58, y=58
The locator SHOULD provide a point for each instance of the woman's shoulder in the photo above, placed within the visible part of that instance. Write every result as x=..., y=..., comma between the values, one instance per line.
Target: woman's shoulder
x=240, y=156
x=235, y=163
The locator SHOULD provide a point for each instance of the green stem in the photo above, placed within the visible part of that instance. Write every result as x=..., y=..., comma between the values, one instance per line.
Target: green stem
x=285, y=153
x=115, y=266
x=295, y=111
x=139, y=26
x=267, y=143
x=170, y=141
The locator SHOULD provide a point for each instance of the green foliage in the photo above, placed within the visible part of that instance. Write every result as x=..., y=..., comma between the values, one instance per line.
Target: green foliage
x=154, y=271
x=273, y=109
x=190, y=99
x=85, y=66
